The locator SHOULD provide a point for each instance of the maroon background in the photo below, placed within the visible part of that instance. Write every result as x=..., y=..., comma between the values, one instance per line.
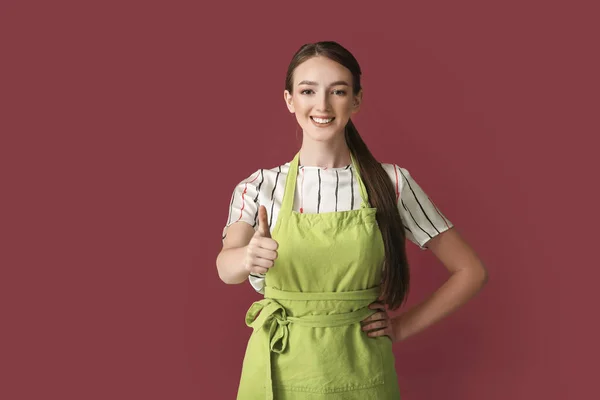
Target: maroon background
x=126, y=125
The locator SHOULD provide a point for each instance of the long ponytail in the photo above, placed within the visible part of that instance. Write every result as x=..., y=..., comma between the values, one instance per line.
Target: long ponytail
x=396, y=273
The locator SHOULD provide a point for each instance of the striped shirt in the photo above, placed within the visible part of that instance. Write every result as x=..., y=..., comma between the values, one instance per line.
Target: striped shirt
x=320, y=190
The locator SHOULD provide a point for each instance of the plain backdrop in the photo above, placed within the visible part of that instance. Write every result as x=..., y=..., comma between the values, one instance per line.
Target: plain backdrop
x=126, y=125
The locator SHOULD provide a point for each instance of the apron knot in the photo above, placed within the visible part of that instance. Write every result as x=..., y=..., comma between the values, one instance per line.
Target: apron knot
x=273, y=318
x=270, y=315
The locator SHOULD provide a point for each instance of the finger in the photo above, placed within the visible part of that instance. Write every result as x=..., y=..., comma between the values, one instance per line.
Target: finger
x=375, y=325
x=258, y=270
x=377, y=306
x=380, y=316
x=374, y=317
x=382, y=332
x=260, y=242
x=267, y=243
x=267, y=254
x=254, y=269
x=262, y=262
x=263, y=222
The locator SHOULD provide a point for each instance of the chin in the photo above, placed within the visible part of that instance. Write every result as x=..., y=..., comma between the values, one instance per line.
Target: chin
x=322, y=138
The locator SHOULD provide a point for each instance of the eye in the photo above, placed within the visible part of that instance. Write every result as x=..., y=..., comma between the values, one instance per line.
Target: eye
x=306, y=90
x=340, y=92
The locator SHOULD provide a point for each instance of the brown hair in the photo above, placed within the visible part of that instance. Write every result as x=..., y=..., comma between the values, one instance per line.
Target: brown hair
x=396, y=276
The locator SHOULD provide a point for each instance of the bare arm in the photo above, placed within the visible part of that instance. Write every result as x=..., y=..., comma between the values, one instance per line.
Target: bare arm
x=230, y=261
x=468, y=275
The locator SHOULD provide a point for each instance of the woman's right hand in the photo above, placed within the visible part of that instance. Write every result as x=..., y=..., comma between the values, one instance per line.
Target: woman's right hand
x=261, y=252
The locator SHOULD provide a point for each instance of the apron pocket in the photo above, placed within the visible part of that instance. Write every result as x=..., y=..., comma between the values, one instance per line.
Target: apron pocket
x=328, y=360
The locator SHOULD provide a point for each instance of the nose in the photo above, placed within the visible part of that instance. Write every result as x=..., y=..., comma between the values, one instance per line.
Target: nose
x=323, y=103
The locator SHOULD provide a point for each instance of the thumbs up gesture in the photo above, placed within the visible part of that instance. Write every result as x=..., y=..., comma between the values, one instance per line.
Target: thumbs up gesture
x=261, y=252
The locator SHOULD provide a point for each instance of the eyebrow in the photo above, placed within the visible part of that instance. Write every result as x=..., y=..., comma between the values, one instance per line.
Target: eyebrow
x=313, y=83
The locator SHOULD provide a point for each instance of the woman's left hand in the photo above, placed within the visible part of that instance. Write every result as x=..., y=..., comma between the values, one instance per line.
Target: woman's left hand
x=379, y=323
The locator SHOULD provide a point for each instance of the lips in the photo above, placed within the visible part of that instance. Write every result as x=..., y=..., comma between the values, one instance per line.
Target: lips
x=322, y=124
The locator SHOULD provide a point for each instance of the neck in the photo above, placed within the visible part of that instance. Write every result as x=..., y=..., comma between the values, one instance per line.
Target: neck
x=325, y=154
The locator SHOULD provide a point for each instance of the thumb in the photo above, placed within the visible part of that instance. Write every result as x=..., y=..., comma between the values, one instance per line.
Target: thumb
x=263, y=222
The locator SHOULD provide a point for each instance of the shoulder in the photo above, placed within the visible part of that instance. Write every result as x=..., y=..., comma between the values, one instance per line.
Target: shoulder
x=398, y=175
x=393, y=169
x=264, y=176
x=268, y=171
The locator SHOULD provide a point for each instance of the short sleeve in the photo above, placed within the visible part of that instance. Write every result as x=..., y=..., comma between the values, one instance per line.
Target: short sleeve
x=421, y=218
x=244, y=203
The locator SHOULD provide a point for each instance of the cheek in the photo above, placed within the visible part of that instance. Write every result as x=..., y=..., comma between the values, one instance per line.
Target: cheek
x=345, y=105
x=301, y=119
x=301, y=106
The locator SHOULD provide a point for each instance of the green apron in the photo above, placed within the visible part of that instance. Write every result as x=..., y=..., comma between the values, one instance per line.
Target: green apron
x=307, y=342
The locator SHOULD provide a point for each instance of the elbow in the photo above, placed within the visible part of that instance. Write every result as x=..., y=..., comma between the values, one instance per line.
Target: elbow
x=222, y=277
x=221, y=271
x=484, y=276
x=477, y=276
x=229, y=280
x=226, y=278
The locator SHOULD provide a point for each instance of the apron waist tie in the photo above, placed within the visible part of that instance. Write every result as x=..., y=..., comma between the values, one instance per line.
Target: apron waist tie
x=273, y=317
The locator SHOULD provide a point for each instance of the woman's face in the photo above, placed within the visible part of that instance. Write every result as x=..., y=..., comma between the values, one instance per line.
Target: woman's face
x=322, y=98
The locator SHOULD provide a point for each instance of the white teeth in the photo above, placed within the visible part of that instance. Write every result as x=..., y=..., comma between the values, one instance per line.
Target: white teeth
x=322, y=121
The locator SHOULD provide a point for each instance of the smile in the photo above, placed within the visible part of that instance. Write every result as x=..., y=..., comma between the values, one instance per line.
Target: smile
x=322, y=121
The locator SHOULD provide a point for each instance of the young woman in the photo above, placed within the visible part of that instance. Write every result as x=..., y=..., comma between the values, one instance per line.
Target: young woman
x=323, y=238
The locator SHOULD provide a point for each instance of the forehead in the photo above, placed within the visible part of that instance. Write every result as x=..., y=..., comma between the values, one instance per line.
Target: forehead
x=321, y=70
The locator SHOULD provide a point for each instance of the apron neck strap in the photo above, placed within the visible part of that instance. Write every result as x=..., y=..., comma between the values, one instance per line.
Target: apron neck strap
x=363, y=190
x=290, y=185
